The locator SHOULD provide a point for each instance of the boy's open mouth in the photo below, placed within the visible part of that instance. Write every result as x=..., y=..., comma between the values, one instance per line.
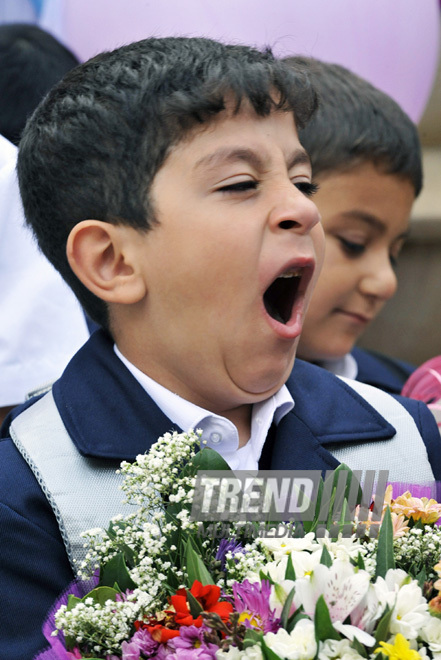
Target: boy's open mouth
x=280, y=296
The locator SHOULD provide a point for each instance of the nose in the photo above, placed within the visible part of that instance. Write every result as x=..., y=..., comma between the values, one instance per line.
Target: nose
x=379, y=279
x=292, y=210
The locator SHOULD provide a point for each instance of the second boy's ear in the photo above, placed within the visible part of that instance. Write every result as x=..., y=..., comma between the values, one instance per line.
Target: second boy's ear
x=103, y=257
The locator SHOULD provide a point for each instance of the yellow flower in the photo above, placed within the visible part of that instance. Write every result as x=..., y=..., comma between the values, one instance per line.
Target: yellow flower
x=428, y=511
x=399, y=650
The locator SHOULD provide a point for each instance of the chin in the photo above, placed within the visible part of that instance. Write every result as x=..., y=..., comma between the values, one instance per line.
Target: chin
x=264, y=383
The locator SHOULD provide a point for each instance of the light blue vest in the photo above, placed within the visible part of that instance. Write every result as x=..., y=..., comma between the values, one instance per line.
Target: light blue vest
x=84, y=493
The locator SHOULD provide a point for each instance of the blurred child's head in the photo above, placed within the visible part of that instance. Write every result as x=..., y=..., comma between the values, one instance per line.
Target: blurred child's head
x=31, y=62
x=171, y=172
x=366, y=158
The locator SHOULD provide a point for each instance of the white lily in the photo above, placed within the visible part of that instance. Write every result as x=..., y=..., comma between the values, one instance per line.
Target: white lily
x=404, y=596
x=342, y=587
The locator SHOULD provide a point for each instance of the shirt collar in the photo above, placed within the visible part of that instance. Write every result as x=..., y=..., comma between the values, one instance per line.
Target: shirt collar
x=217, y=431
x=345, y=366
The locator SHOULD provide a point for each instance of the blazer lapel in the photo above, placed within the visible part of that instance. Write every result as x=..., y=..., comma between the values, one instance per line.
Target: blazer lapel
x=327, y=411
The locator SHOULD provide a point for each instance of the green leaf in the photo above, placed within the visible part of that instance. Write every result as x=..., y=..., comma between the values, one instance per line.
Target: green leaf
x=101, y=595
x=385, y=549
x=290, y=573
x=194, y=605
x=294, y=618
x=208, y=459
x=326, y=558
x=265, y=576
x=286, y=608
x=322, y=622
x=267, y=653
x=115, y=570
x=72, y=602
x=252, y=637
x=196, y=569
x=382, y=631
x=421, y=577
x=360, y=562
x=358, y=646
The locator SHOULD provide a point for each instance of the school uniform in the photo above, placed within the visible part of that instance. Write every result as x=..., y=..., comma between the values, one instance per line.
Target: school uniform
x=109, y=418
x=381, y=370
x=372, y=368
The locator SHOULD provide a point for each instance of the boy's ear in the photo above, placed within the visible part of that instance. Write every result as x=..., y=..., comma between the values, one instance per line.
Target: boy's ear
x=103, y=257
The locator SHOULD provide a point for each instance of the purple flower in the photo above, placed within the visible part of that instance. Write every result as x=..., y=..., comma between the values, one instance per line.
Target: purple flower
x=130, y=651
x=122, y=597
x=251, y=599
x=225, y=546
x=190, y=637
x=144, y=643
x=190, y=645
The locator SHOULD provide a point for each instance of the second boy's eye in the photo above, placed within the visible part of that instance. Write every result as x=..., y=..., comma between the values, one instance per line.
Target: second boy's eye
x=350, y=248
x=240, y=186
x=393, y=260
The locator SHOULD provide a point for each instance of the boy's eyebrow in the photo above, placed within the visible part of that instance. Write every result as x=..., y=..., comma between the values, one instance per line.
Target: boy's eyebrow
x=370, y=220
x=231, y=155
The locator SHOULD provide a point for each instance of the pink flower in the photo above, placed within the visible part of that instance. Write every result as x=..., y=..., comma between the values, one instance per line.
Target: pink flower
x=130, y=651
x=74, y=654
x=252, y=601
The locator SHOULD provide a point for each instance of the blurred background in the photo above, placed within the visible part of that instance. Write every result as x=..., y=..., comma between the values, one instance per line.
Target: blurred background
x=393, y=43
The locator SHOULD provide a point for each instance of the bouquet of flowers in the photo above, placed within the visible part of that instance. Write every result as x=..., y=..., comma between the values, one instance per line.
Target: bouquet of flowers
x=166, y=586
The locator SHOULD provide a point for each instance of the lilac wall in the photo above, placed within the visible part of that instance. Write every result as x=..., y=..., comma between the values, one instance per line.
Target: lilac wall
x=393, y=43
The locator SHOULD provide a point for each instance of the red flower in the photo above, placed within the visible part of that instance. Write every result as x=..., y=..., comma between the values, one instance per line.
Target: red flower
x=161, y=633
x=208, y=598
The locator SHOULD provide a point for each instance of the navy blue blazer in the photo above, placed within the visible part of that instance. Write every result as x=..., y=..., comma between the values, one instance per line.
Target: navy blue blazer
x=109, y=415
x=381, y=371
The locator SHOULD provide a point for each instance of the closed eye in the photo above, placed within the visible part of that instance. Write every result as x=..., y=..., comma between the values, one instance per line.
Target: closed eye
x=350, y=248
x=240, y=186
x=308, y=188
x=393, y=258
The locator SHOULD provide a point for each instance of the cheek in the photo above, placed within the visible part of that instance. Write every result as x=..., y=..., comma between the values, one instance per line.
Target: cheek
x=318, y=237
x=337, y=278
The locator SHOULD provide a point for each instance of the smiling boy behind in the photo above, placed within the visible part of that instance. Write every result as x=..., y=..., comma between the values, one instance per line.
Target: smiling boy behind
x=366, y=158
x=167, y=183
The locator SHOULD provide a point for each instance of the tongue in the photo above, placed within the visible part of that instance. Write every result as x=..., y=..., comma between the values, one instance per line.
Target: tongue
x=279, y=298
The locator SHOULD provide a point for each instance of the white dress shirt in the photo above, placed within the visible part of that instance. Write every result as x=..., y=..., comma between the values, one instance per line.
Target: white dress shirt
x=345, y=366
x=218, y=432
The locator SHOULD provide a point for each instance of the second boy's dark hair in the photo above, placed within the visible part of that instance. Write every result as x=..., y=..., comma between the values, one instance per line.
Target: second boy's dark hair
x=357, y=123
x=93, y=147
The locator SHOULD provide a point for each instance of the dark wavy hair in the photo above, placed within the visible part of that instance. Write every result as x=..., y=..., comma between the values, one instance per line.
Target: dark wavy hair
x=31, y=62
x=355, y=123
x=94, y=145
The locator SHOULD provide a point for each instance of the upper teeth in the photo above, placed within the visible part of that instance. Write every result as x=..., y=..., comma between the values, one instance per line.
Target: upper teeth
x=295, y=272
